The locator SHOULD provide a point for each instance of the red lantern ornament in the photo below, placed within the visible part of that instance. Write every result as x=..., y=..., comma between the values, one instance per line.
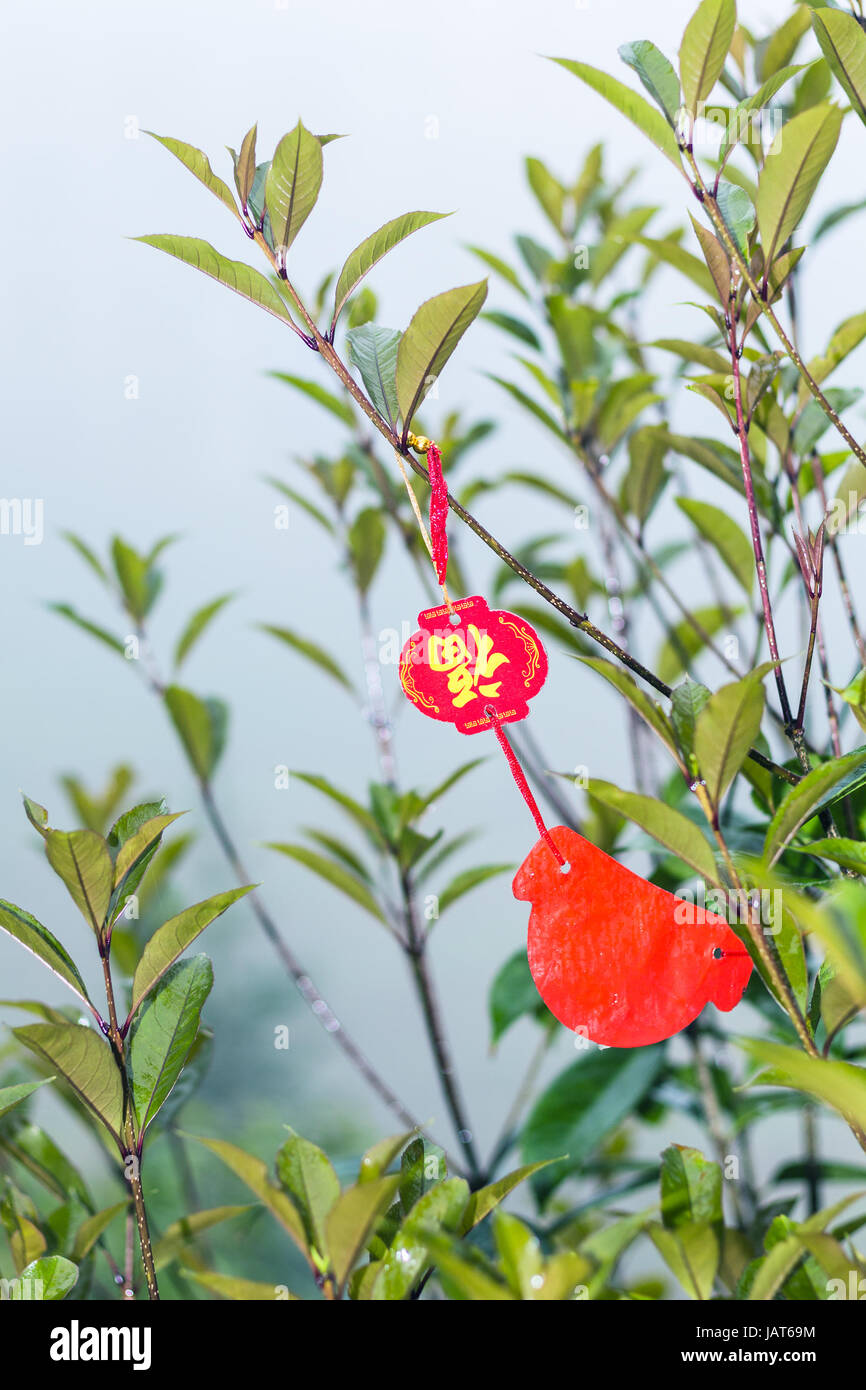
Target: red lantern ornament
x=617, y=958
x=468, y=659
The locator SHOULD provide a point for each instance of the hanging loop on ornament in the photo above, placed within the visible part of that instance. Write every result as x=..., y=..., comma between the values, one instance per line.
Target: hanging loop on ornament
x=520, y=778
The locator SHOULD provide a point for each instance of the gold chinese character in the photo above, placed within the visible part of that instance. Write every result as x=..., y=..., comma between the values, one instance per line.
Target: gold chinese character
x=466, y=665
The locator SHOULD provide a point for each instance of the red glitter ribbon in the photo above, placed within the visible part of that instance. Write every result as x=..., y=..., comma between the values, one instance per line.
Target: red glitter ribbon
x=438, y=513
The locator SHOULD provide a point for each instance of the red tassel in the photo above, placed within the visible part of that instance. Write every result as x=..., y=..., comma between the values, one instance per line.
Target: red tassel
x=438, y=512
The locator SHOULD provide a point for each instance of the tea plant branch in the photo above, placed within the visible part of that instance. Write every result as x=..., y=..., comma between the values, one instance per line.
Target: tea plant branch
x=312, y=997
x=131, y=1149
x=759, y=294
x=620, y=623
x=768, y=959
x=129, y=1257
x=594, y=464
x=833, y=538
x=794, y=727
x=416, y=950
x=803, y=555
x=577, y=620
x=755, y=529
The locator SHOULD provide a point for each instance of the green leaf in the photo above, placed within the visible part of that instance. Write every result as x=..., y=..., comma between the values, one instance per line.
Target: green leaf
x=717, y=527
x=292, y=186
x=254, y=1174
x=10, y=1096
x=163, y=1033
x=795, y=162
x=198, y=163
x=519, y=1254
x=469, y=879
x=582, y=1106
x=181, y=1233
x=38, y=1154
x=656, y=74
x=530, y=405
x=87, y=1063
x=685, y=643
x=373, y=350
x=636, y=108
x=518, y=328
x=726, y=729
x=352, y=1220
x=839, y=1084
x=813, y=423
x=358, y=813
x=691, y=1253
x=485, y=1199
x=89, y=1231
x=738, y=126
x=704, y=48
x=803, y=801
x=366, y=540
x=87, y=554
x=136, y=852
x=171, y=939
x=670, y=827
x=651, y=713
x=687, y=700
x=450, y=781
x=311, y=651
x=433, y=334
x=57, y=1275
x=548, y=191
x=422, y=1166
x=843, y=44
x=379, y=1157
x=407, y=1258
x=65, y=610
x=646, y=477
x=501, y=268
x=680, y=259
x=239, y=1290
x=195, y=627
x=201, y=726
x=848, y=854
x=326, y=399
x=303, y=502
x=845, y=339
x=81, y=859
x=513, y=995
x=245, y=166
x=738, y=214
x=334, y=873
x=308, y=1175
x=244, y=279
x=716, y=258
x=373, y=248
x=691, y=1187
x=467, y=1271
x=40, y=942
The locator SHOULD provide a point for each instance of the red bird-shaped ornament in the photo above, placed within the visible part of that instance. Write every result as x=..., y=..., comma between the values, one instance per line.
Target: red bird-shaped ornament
x=617, y=958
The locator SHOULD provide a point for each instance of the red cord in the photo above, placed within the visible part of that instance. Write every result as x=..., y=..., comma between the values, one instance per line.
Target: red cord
x=517, y=774
x=438, y=512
